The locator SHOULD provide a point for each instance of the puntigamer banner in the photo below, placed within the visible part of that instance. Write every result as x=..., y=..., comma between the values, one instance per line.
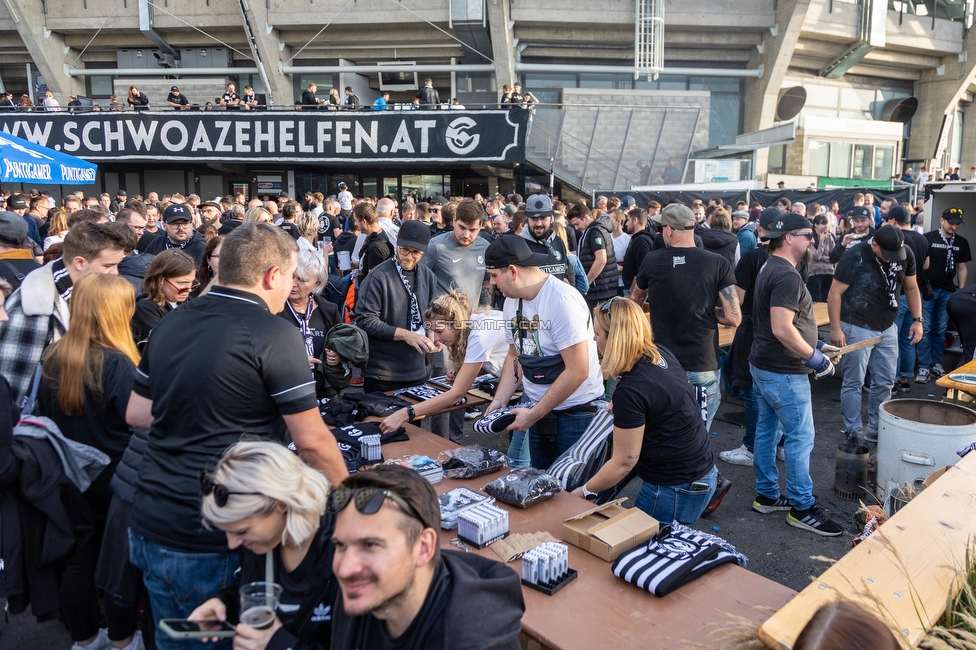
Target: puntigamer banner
x=491, y=136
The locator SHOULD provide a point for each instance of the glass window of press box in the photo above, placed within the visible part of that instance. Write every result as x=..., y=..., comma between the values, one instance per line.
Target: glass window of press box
x=725, y=106
x=851, y=160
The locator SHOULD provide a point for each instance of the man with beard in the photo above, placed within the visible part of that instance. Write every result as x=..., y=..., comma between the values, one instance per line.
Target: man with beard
x=540, y=237
x=398, y=588
x=210, y=214
x=641, y=243
x=179, y=234
x=390, y=306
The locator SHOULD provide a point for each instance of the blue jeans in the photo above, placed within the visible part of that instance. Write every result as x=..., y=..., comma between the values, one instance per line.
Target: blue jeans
x=748, y=395
x=544, y=450
x=882, y=360
x=518, y=449
x=668, y=503
x=709, y=382
x=178, y=582
x=906, y=349
x=932, y=345
x=784, y=399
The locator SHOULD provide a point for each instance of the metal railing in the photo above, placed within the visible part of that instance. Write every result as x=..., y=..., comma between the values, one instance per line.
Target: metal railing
x=955, y=10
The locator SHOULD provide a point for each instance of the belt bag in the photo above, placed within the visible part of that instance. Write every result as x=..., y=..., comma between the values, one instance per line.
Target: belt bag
x=541, y=370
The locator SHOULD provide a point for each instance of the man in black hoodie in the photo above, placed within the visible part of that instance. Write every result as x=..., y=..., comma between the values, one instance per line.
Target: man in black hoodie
x=718, y=236
x=641, y=243
x=179, y=234
x=398, y=589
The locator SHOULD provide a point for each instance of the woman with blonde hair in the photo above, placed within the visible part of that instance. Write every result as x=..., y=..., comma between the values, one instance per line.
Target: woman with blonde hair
x=259, y=213
x=267, y=500
x=85, y=387
x=475, y=343
x=50, y=103
x=57, y=226
x=658, y=428
x=308, y=229
x=167, y=284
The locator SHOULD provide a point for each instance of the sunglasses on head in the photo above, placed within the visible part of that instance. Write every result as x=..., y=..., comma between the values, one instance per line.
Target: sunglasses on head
x=368, y=501
x=605, y=307
x=220, y=493
x=954, y=211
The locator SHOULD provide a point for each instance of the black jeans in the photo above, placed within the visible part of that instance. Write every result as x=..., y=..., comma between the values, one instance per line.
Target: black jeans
x=819, y=287
x=79, y=598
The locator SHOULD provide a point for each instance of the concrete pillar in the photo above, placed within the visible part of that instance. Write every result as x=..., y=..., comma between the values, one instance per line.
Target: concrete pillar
x=938, y=95
x=47, y=49
x=777, y=51
x=502, y=42
x=269, y=53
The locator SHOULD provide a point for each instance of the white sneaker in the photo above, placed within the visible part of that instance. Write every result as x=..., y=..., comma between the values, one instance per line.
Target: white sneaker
x=937, y=370
x=738, y=456
x=923, y=376
x=781, y=454
x=101, y=642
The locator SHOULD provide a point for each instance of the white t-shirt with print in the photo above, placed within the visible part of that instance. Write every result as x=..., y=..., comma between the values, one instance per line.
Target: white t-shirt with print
x=345, y=200
x=560, y=319
x=486, y=342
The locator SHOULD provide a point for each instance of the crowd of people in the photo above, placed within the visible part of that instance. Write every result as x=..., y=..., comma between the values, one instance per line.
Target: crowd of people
x=153, y=332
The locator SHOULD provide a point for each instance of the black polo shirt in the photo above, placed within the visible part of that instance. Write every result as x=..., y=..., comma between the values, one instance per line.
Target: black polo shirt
x=217, y=368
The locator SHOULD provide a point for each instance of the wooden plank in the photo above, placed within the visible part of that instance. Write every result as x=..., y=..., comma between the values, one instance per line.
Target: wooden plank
x=946, y=382
x=904, y=571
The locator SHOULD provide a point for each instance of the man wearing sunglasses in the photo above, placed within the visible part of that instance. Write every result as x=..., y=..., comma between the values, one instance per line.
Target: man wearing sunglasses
x=398, y=588
x=785, y=351
x=178, y=226
x=863, y=303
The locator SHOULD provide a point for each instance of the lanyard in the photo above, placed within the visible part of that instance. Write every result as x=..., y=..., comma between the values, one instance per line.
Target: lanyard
x=304, y=323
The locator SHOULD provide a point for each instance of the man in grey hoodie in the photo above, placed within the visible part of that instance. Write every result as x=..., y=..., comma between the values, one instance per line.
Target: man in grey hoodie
x=390, y=308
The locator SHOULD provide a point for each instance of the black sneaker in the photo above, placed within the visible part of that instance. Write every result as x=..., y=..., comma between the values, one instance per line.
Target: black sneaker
x=765, y=505
x=815, y=520
x=722, y=486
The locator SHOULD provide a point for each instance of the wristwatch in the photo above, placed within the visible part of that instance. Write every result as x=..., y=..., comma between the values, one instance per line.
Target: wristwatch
x=918, y=320
x=590, y=496
x=411, y=413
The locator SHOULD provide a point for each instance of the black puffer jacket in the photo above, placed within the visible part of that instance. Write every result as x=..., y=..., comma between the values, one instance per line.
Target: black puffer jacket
x=123, y=484
x=605, y=284
x=718, y=240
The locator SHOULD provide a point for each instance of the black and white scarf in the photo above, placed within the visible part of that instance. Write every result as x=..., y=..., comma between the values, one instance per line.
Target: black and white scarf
x=304, y=325
x=62, y=281
x=416, y=318
x=889, y=271
x=170, y=245
x=950, y=268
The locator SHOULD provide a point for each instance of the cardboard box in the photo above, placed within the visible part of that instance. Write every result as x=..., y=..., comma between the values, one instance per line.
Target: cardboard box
x=931, y=478
x=609, y=530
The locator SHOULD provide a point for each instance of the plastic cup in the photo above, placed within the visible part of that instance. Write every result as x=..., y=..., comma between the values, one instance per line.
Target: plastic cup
x=259, y=604
x=344, y=262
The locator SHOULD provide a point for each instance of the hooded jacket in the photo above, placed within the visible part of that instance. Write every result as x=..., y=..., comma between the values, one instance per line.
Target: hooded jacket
x=473, y=603
x=641, y=244
x=134, y=268
x=748, y=238
x=605, y=284
x=350, y=343
x=311, y=626
x=721, y=241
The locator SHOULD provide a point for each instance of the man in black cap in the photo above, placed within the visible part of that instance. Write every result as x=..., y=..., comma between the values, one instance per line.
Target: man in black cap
x=390, y=306
x=863, y=220
x=551, y=339
x=180, y=234
x=352, y=99
x=898, y=217
x=177, y=100
x=863, y=304
x=210, y=213
x=119, y=202
x=949, y=254
x=784, y=353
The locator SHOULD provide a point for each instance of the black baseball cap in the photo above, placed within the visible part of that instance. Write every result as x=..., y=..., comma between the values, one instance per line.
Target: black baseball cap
x=121, y=193
x=768, y=216
x=17, y=202
x=891, y=241
x=953, y=215
x=860, y=212
x=788, y=222
x=414, y=234
x=899, y=214
x=349, y=88
x=176, y=212
x=174, y=89
x=511, y=250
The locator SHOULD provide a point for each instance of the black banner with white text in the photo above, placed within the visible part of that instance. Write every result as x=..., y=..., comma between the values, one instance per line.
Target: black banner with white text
x=490, y=136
